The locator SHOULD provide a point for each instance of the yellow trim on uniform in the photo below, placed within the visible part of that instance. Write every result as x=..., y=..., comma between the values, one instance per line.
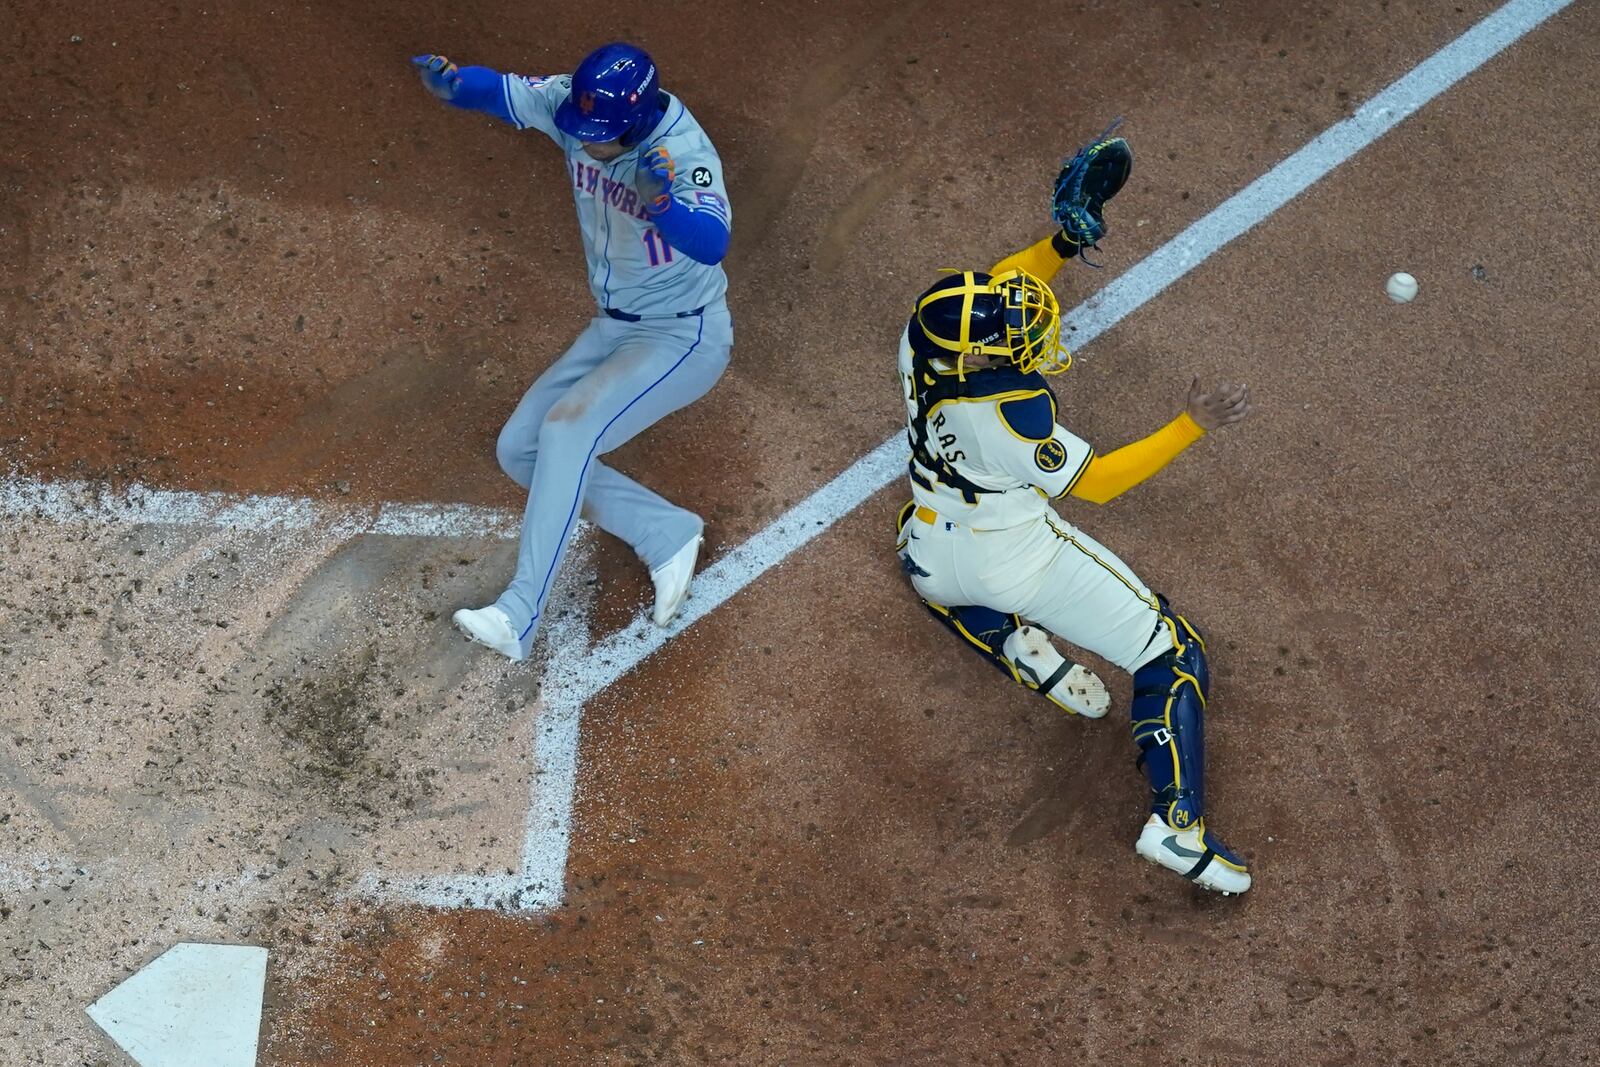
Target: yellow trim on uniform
x=1087, y=459
x=966, y=325
x=1073, y=541
x=994, y=398
x=1020, y=395
x=1187, y=625
x=968, y=634
x=987, y=648
x=1172, y=736
x=1172, y=631
x=1172, y=746
x=927, y=515
x=1184, y=676
x=1216, y=857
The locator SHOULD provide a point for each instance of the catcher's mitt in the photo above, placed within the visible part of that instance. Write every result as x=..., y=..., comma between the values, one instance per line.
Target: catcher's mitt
x=1085, y=183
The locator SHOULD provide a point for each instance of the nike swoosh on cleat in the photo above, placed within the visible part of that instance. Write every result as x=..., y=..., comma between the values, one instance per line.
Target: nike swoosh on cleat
x=1171, y=843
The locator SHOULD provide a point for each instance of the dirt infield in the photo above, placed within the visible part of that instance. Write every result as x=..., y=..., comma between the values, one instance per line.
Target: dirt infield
x=246, y=253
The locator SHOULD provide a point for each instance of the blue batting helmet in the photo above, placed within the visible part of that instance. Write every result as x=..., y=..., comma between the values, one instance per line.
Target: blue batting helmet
x=614, y=95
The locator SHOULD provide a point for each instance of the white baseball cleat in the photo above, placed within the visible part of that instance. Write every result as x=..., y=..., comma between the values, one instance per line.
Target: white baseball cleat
x=491, y=626
x=1070, y=686
x=672, y=580
x=1195, y=854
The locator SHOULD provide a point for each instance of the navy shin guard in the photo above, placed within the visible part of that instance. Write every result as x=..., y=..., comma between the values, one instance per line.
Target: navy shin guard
x=984, y=629
x=1168, y=709
x=1030, y=661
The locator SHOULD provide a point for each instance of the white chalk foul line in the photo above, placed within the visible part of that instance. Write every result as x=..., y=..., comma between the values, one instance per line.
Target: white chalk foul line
x=567, y=685
x=138, y=504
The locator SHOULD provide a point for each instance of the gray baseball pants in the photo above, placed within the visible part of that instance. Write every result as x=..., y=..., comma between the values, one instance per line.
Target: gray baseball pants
x=616, y=380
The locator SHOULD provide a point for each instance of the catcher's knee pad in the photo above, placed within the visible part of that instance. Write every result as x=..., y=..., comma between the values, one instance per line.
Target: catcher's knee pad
x=1175, y=632
x=1168, y=710
x=1025, y=655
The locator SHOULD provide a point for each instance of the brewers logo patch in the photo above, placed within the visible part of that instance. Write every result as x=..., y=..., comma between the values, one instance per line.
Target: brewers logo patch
x=1051, y=456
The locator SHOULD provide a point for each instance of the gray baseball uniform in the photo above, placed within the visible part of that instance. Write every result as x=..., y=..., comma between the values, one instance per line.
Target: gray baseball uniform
x=660, y=342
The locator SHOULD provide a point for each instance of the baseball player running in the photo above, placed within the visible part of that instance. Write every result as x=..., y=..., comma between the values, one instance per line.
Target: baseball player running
x=985, y=550
x=656, y=221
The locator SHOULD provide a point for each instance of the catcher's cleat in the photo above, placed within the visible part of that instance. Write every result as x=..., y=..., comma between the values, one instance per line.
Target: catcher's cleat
x=491, y=626
x=1194, y=853
x=1070, y=686
x=672, y=580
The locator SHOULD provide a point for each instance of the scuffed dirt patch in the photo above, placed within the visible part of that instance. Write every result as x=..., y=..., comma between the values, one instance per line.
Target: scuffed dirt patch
x=327, y=720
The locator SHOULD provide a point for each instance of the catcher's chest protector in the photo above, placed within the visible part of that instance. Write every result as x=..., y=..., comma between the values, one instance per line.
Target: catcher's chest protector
x=933, y=388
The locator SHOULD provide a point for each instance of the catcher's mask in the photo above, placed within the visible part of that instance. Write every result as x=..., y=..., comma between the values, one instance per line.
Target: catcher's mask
x=1013, y=315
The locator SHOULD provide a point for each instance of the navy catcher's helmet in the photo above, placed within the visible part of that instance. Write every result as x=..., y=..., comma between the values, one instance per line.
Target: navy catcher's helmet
x=614, y=96
x=1013, y=315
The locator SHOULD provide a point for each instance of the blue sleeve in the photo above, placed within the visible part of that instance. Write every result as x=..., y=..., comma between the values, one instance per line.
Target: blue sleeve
x=700, y=235
x=482, y=89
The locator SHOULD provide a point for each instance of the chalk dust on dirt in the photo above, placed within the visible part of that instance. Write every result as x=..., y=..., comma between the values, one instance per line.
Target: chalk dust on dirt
x=212, y=735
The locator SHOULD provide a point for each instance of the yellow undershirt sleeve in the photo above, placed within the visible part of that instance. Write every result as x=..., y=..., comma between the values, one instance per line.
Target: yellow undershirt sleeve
x=1040, y=260
x=1111, y=475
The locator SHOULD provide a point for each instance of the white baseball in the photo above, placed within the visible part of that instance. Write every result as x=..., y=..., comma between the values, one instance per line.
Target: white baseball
x=1401, y=288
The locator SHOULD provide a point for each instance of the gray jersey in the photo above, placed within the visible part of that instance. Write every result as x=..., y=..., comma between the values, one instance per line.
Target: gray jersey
x=631, y=268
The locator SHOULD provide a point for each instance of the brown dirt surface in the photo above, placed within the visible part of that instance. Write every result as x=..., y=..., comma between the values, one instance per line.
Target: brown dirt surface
x=245, y=251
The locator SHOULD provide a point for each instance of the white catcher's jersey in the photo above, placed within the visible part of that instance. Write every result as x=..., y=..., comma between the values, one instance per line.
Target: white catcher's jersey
x=631, y=268
x=1003, y=440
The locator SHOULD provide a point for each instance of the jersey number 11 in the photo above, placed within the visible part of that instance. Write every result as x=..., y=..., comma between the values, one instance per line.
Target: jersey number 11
x=656, y=245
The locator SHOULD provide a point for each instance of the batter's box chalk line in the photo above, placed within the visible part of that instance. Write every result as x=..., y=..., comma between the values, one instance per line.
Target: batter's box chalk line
x=538, y=883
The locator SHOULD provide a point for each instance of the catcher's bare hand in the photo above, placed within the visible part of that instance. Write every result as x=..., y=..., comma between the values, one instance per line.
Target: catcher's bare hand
x=1222, y=406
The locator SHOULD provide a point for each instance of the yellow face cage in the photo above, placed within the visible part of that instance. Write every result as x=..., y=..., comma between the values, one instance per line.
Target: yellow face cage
x=1033, y=323
x=1029, y=334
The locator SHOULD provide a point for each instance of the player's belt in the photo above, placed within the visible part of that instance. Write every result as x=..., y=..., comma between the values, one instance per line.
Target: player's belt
x=628, y=316
x=931, y=517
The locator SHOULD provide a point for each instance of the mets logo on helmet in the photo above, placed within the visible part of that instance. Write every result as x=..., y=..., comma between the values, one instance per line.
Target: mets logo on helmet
x=586, y=102
x=1051, y=456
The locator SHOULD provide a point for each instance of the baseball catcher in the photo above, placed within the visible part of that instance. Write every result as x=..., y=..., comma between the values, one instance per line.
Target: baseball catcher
x=993, y=561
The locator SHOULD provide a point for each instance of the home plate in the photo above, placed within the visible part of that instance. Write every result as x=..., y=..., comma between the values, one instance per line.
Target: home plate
x=193, y=1006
